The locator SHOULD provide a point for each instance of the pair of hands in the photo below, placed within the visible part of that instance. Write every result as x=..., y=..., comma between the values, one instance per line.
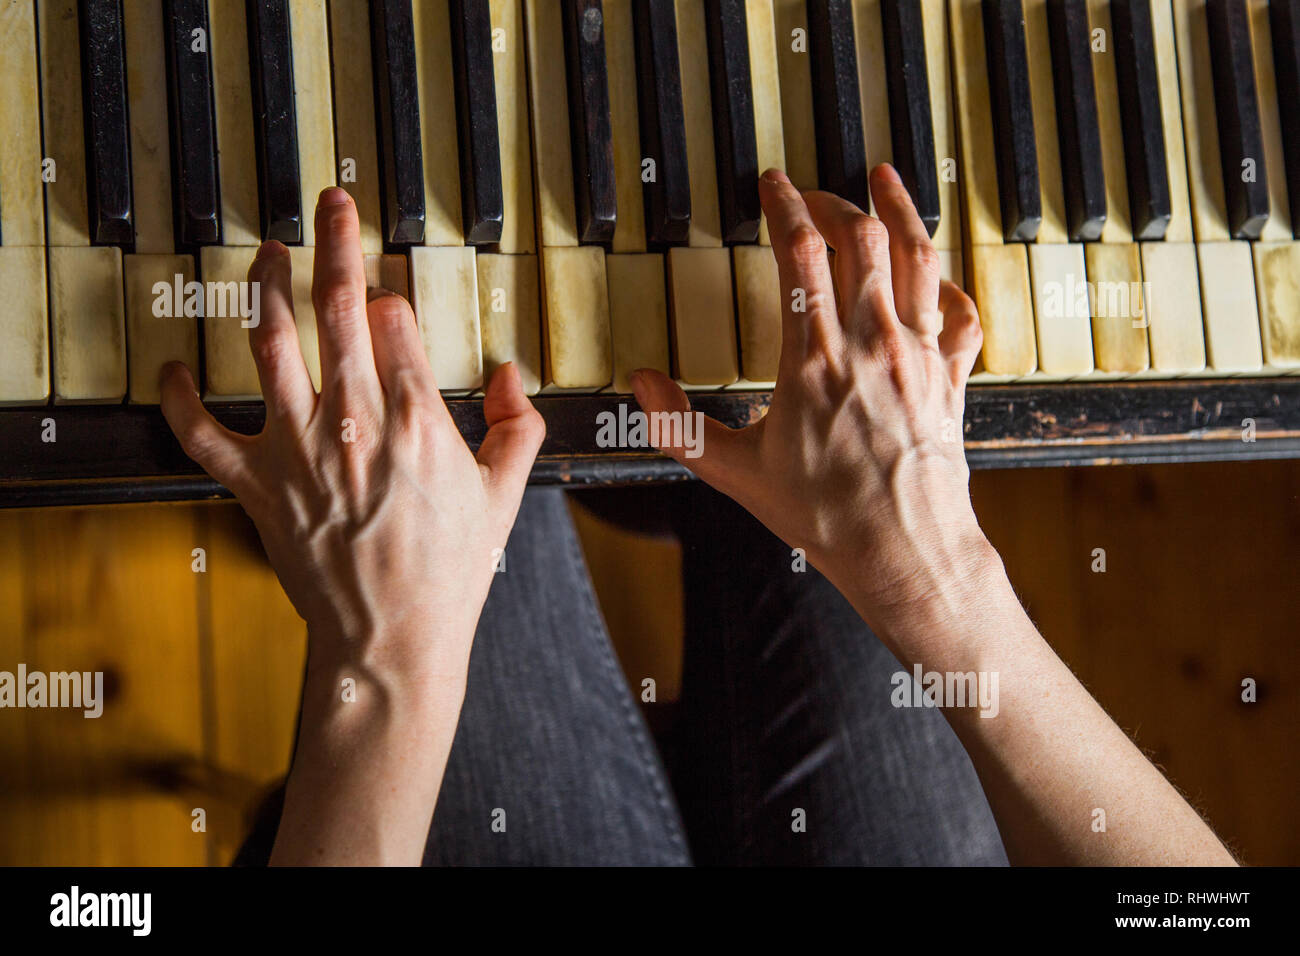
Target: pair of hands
x=385, y=543
x=388, y=539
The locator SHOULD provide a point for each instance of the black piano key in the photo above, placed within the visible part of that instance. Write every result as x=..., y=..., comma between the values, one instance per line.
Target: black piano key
x=593, y=141
x=1145, y=159
x=275, y=120
x=1237, y=109
x=663, y=123
x=476, y=109
x=397, y=108
x=1285, y=21
x=196, y=204
x=837, y=110
x=909, y=106
x=108, y=135
x=735, y=146
x=1077, y=127
x=1013, y=119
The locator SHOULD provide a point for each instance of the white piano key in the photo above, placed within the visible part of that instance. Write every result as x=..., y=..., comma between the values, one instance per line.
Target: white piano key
x=1119, y=344
x=693, y=53
x=22, y=207
x=146, y=84
x=873, y=82
x=1228, y=307
x=620, y=64
x=309, y=25
x=1232, y=337
x=518, y=230
x=638, y=315
x=87, y=324
x=1062, y=318
x=765, y=79
x=549, y=99
x=509, y=303
x=1173, y=308
x=758, y=314
x=444, y=293
x=232, y=98
x=704, y=339
x=67, y=218
x=948, y=236
x=797, y=118
x=354, y=114
x=575, y=318
x=1277, y=279
x=24, y=336
x=153, y=340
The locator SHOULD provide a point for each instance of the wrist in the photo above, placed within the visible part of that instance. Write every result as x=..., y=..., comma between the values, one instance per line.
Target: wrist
x=411, y=657
x=954, y=594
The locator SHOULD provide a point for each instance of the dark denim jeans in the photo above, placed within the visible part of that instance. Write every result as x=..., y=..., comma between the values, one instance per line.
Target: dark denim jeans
x=786, y=748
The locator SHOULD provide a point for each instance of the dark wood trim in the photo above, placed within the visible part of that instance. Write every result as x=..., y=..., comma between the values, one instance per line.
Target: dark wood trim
x=126, y=453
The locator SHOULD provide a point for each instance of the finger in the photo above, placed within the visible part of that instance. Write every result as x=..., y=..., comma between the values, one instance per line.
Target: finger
x=862, y=271
x=515, y=433
x=807, y=289
x=719, y=455
x=395, y=339
x=219, y=451
x=961, y=338
x=914, y=262
x=338, y=291
x=273, y=340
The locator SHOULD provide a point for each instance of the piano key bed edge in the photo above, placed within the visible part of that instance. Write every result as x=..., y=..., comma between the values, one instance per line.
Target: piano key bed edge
x=123, y=453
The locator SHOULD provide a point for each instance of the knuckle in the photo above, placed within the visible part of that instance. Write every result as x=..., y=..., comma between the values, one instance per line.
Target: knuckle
x=267, y=261
x=967, y=326
x=806, y=245
x=888, y=346
x=338, y=222
x=869, y=234
x=923, y=257
x=414, y=395
x=337, y=296
x=272, y=350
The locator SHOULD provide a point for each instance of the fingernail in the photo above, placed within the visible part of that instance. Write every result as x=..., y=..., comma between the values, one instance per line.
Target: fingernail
x=378, y=292
x=271, y=247
x=889, y=173
x=776, y=176
x=334, y=196
x=637, y=380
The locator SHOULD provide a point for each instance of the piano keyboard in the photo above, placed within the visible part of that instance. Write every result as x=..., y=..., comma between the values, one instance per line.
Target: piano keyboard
x=571, y=185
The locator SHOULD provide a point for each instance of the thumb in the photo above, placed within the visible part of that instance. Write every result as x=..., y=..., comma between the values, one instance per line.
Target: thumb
x=716, y=453
x=515, y=433
x=218, y=450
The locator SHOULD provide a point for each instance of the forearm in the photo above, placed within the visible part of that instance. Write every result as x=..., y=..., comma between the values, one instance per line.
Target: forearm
x=375, y=735
x=1055, y=768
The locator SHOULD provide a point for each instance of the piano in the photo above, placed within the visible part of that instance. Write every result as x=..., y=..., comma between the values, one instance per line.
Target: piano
x=572, y=185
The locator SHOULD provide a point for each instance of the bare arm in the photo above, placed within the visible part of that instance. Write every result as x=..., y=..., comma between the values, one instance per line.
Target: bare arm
x=383, y=529
x=860, y=462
